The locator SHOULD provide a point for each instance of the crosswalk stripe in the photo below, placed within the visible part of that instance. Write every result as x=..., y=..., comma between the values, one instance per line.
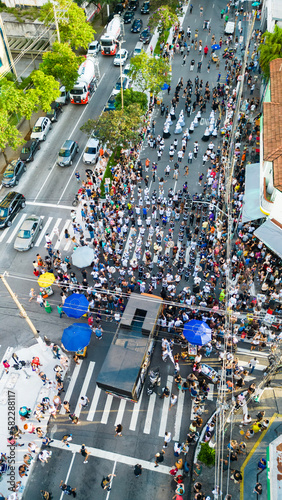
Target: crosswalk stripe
x=94, y=404
x=14, y=232
x=120, y=412
x=62, y=234
x=84, y=386
x=150, y=412
x=135, y=413
x=248, y=352
x=72, y=384
x=4, y=233
x=210, y=393
x=178, y=417
x=165, y=410
x=245, y=364
x=43, y=232
x=107, y=408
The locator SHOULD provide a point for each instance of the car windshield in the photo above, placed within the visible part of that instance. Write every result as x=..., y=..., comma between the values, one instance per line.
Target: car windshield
x=64, y=153
x=137, y=51
x=24, y=233
x=3, y=212
x=26, y=150
x=91, y=151
x=37, y=129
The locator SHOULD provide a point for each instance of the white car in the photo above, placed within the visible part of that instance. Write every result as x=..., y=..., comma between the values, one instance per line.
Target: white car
x=41, y=129
x=125, y=84
x=91, y=153
x=121, y=57
x=64, y=97
x=94, y=48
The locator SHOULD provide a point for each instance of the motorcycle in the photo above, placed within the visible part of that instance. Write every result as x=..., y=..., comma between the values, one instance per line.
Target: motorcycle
x=154, y=380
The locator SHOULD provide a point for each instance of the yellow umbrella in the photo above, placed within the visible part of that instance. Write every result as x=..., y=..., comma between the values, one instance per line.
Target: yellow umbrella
x=46, y=279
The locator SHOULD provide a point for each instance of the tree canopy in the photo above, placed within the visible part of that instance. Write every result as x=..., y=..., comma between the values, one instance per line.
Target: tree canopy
x=73, y=27
x=270, y=49
x=149, y=73
x=131, y=96
x=163, y=19
x=117, y=128
x=62, y=63
x=45, y=89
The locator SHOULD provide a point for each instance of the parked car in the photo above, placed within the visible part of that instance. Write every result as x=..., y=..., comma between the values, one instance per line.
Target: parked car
x=10, y=206
x=118, y=8
x=133, y=4
x=145, y=9
x=55, y=111
x=64, y=98
x=138, y=49
x=41, y=128
x=126, y=69
x=121, y=57
x=13, y=173
x=29, y=149
x=94, y=48
x=111, y=104
x=145, y=35
x=128, y=16
x=125, y=84
x=67, y=153
x=137, y=26
x=28, y=233
x=91, y=153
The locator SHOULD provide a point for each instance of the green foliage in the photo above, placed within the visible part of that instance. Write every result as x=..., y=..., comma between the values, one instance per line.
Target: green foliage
x=117, y=128
x=207, y=454
x=270, y=49
x=163, y=38
x=163, y=19
x=132, y=97
x=73, y=27
x=149, y=73
x=9, y=134
x=45, y=89
x=62, y=64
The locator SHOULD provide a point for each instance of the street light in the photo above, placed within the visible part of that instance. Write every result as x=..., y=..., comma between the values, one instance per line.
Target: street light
x=120, y=68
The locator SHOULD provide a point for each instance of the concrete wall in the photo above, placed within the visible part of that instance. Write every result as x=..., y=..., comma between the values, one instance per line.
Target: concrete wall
x=27, y=29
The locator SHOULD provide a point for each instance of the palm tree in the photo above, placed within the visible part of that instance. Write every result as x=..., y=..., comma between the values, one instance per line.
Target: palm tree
x=270, y=48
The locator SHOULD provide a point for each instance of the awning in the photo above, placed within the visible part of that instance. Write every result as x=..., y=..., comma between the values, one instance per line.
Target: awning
x=271, y=235
x=251, y=203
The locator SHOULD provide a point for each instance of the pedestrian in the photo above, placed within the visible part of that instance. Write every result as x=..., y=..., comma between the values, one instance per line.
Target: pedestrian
x=84, y=453
x=106, y=482
x=66, y=439
x=99, y=333
x=66, y=406
x=218, y=77
x=168, y=89
x=159, y=458
x=199, y=68
x=47, y=306
x=184, y=60
x=137, y=470
x=252, y=365
x=77, y=176
x=167, y=439
x=32, y=294
x=40, y=300
x=67, y=489
x=60, y=311
x=83, y=402
x=118, y=430
x=258, y=489
x=173, y=400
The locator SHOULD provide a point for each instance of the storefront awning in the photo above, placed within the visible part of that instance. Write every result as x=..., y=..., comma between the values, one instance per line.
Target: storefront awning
x=271, y=235
x=251, y=203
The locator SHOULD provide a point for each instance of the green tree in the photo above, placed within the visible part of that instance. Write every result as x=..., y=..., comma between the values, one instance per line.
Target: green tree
x=117, y=128
x=44, y=90
x=62, y=64
x=270, y=49
x=163, y=19
x=149, y=73
x=73, y=27
x=9, y=134
x=132, y=97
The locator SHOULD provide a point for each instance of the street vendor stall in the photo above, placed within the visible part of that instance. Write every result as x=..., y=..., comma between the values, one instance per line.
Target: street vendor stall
x=210, y=373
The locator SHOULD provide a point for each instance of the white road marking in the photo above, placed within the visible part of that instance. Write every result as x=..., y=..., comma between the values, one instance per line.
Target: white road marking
x=52, y=234
x=165, y=410
x=68, y=475
x=84, y=387
x=120, y=412
x=49, y=205
x=71, y=177
x=3, y=234
x=43, y=231
x=135, y=413
x=150, y=412
x=16, y=229
x=113, y=457
x=210, y=393
x=112, y=478
x=71, y=384
x=178, y=418
x=62, y=234
x=94, y=404
x=106, y=412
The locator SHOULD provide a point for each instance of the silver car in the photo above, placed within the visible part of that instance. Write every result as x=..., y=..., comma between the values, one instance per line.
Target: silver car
x=28, y=233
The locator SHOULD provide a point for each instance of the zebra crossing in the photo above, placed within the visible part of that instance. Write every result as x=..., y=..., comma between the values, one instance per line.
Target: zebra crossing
x=150, y=415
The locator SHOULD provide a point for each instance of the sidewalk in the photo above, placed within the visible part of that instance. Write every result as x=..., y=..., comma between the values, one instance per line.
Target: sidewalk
x=24, y=388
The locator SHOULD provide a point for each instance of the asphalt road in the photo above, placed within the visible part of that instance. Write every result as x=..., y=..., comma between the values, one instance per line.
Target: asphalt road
x=45, y=184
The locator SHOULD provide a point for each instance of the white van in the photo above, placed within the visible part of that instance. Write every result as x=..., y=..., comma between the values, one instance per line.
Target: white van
x=138, y=49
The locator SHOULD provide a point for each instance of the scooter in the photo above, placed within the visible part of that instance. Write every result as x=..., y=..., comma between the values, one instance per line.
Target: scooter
x=154, y=380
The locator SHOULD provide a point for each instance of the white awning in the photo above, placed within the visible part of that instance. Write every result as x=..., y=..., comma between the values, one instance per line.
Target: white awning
x=251, y=202
x=271, y=235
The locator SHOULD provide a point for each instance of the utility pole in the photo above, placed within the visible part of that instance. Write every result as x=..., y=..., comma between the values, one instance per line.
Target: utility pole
x=56, y=22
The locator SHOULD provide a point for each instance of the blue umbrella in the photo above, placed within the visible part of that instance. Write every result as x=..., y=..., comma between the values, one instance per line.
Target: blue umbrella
x=197, y=332
x=165, y=86
x=215, y=46
x=76, y=305
x=76, y=337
